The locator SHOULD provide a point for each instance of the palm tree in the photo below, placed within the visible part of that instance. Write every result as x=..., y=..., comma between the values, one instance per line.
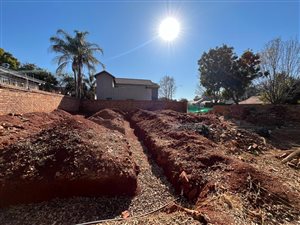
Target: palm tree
x=76, y=51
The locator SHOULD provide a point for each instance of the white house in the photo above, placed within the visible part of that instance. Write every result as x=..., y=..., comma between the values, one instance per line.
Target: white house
x=112, y=88
x=16, y=78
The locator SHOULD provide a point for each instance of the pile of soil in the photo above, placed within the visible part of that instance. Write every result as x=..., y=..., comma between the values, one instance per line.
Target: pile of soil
x=195, y=152
x=70, y=156
x=15, y=127
x=110, y=118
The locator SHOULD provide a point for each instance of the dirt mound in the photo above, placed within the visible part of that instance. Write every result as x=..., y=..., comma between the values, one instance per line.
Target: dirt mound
x=112, y=119
x=15, y=127
x=195, y=152
x=71, y=156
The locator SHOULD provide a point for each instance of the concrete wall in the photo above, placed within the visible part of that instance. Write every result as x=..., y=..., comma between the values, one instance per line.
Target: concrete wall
x=92, y=106
x=106, y=90
x=14, y=100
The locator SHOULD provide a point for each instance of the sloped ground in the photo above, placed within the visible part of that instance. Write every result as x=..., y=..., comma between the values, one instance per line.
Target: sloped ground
x=153, y=192
x=201, y=155
x=112, y=119
x=16, y=127
x=71, y=156
x=230, y=175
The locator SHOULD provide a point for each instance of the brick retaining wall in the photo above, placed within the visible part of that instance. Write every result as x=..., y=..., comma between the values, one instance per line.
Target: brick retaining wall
x=17, y=100
x=91, y=106
x=291, y=112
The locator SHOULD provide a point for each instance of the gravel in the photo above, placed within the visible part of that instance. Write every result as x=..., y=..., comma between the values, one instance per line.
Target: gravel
x=154, y=191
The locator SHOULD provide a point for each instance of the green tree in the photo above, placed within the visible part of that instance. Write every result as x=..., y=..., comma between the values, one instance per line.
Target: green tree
x=68, y=85
x=6, y=57
x=77, y=52
x=90, y=87
x=41, y=74
x=223, y=73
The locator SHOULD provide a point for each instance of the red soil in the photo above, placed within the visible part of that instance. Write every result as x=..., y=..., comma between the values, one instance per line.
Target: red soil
x=199, y=155
x=66, y=156
x=112, y=119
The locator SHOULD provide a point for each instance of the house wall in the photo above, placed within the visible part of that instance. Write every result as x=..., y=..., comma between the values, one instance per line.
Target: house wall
x=155, y=94
x=136, y=92
x=106, y=90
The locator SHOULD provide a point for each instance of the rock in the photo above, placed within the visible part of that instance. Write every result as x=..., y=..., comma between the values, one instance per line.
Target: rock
x=183, y=177
x=1, y=127
x=223, y=135
x=255, y=146
x=125, y=214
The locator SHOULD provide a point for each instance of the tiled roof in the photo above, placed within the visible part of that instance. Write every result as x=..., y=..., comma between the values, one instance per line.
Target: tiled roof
x=134, y=81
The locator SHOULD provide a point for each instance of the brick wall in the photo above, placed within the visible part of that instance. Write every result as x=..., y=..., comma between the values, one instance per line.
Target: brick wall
x=14, y=100
x=91, y=106
x=291, y=112
x=17, y=100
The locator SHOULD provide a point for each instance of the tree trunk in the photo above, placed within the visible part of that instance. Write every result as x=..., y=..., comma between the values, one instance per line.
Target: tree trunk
x=75, y=80
x=79, y=82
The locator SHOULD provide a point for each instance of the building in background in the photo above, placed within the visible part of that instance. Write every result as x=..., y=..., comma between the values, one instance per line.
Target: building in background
x=111, y=88
x=15, y=78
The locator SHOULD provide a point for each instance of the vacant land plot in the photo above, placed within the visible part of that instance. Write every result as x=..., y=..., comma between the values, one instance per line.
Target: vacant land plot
x=193, y=169
x=207, y=159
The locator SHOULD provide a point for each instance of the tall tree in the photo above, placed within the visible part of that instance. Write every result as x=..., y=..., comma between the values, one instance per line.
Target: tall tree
x=167, y=87
x=223, y=73
x=9, y=59
x=281, y=62
x=77, y=52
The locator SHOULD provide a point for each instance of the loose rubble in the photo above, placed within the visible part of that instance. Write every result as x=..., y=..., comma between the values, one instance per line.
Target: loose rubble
x=200, y=156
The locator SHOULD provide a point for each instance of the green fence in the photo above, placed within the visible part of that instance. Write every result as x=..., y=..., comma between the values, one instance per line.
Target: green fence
x=197, y=109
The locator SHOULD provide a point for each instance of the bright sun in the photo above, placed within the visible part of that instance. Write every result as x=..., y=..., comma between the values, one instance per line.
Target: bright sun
x=169, y=29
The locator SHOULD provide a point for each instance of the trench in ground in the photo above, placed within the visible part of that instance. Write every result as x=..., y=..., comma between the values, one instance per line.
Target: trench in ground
x=153, y=192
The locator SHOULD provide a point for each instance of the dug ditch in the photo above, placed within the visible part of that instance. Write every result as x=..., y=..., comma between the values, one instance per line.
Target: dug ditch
x=153, y=192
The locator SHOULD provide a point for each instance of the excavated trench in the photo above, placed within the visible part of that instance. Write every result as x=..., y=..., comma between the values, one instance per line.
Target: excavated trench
x=199, y=165
x=153, y=191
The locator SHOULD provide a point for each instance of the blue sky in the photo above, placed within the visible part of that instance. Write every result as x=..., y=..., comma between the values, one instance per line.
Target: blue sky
x=127, y=31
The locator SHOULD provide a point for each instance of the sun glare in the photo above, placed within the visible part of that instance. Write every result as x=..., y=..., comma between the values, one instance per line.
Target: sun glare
x=169, y=29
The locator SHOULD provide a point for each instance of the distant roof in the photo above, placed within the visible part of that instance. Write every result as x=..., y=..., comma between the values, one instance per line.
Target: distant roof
x=252, y=100
x=103, y=71
x=134, y=81
x=6, y=71
x=130, y=81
